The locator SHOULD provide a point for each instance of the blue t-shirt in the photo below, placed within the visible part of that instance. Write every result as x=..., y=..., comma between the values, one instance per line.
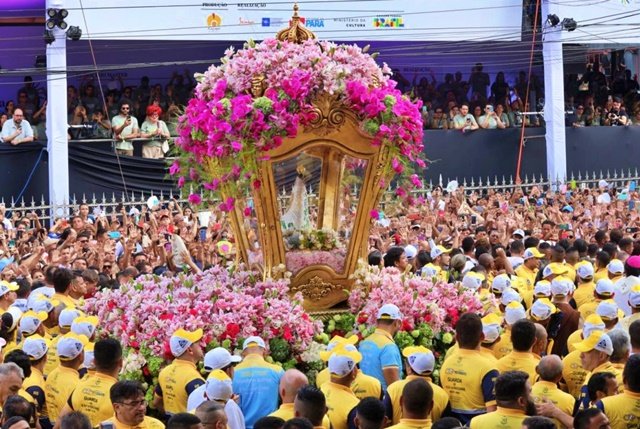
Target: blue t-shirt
x=379, y=351
x=256, y=382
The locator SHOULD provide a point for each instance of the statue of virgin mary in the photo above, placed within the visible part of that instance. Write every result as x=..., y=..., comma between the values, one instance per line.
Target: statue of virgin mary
x=297, y=215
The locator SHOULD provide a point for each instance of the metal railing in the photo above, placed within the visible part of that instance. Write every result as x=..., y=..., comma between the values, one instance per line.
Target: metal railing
x=111, y=203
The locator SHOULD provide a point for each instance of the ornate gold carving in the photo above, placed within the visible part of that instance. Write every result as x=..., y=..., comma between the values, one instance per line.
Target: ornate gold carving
x=327, y=115
x=258, y=86
x=316, y=289
x=296, y=33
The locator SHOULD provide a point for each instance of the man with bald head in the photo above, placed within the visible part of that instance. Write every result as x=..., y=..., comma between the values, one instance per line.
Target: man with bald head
x=540, y=346
x=17, y=130
x=290, y=383
x=212, y=415
x=546, y=390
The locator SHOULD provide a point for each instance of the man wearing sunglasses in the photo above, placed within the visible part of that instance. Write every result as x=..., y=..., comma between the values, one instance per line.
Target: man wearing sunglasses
x=125, y=128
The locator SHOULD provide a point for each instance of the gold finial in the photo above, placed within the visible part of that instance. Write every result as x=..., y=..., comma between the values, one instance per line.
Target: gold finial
x=296, y=33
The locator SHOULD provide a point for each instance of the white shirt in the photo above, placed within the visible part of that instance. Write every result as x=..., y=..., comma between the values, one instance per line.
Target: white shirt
x=9, y=128
x=621, y=297
x=231, y=409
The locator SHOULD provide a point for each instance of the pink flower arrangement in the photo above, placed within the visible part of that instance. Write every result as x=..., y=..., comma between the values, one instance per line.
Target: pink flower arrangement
x=439, y=305
x=227, y=306
x=225, y=131
x=296, y=260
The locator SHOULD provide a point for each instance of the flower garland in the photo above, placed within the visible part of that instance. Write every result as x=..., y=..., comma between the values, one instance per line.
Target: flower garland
x=225, y=131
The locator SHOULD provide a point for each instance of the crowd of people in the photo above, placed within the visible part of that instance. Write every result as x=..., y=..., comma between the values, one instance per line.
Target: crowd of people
x=558, y=273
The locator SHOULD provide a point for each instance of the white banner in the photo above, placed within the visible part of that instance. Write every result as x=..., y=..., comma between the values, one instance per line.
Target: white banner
x=601, y=21
x=397, y=20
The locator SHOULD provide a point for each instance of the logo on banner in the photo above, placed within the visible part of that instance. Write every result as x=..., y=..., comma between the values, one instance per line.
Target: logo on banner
x=214, y=21
x=388, y=22
x=258, y=5
x=268, y=22
x=315, y=22
x=245, y=21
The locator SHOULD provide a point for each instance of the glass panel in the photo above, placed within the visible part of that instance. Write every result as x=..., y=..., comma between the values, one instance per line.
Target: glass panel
x=318, y=197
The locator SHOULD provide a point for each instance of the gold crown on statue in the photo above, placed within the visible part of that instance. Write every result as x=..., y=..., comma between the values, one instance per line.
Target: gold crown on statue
x=296, y=33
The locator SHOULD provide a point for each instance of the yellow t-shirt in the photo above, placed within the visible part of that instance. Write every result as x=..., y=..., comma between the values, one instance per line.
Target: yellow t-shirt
x=53, y=361
x=584, y=293
x=59, y=385
x=488, y=353
x=528, y=275
x=64, y=299
x=504, y=346
x=605, y=367
x=589, y=308
x=574, y=339
x=412, y=424
x=92, y=397
x=626, y=322
x=341, y=402
x=547, y=391
x=502, y=418
x=175, y=383
x=35, y=386
x=147, y=423
x=573, y=373
x=287, y=412
x=520, y=361
x=601, y=273
x=363, y=386
x=394, y=392
x=623, y=410
x=468, y=378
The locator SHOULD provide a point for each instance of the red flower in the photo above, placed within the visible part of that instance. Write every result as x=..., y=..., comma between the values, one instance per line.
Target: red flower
x=166, y=353
x=286, y=334
x=134, y=344
x=406, y=325
x=166, y=316
x=145, y=371
x=362, y=318
x=233, y=329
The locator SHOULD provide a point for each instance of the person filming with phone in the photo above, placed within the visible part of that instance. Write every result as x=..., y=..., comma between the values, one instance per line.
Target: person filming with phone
x=464, y=120
x=125, y=128
x=17, y=130
x=490, y=120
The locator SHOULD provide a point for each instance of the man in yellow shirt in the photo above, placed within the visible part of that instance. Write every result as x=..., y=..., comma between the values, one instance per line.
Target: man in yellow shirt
x=623, y=410
x=513, y=397
x=634, y=303
x=604, y=290
x=64, y=379
x=615, y=270
x=523, y=337
x=546, y=388
x=595, y=352
x=491, y=330
x=90, y=396
x=364, y=385
x=416, y=401
x=419, y=364
x=130, y=407
x=467, y=376
x=341, y=402
x=311, y=404
x=586, y=286
x=573, y=373
x=65, y=318
x=178, y=380
x=529, y=269
x=609, y=313
x=62, y=279
x=36, y=348
x=512, y=313
x=290, y=383
x=7, y=295
x=592, y=323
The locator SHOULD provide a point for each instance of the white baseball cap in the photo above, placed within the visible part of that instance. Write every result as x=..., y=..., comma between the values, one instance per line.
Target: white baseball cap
x=519, y=232
x=85, y=325
x=615, y=266
x=542, y=289
x=35, y=347
x=342, y=362
x=253, y=341
x=182, y=339
x=420, y=359
x=30, y=321
x=326, y=354
x=500, y=283
x=438, y=250
x=219, y=358
x=89, y=357
x=542, y=309
x=598, y=340
x=42, y=304
x=389, y=312
x=6, y=287
x=510, y=295
x=634, y=296
x=16, y=314
x=67, y=316
x=532, y=252
x=218, y=386
x=491, y=328
x=592, y=323
x=608, y=310
x=70, y=346
x=561, y=286
x=513, y=312
x=472, y=280
x=605, y=287
x=21, y=303
x=585, y=270
x=411, y=251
